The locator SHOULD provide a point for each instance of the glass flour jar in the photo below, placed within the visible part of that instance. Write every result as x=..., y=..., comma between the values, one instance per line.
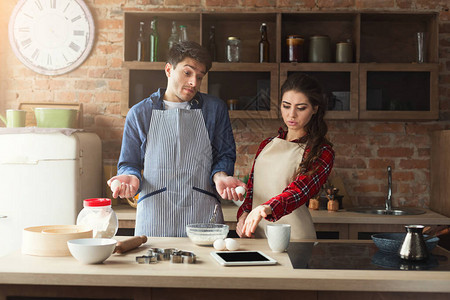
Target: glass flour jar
x=98, y=215
x=233, y=49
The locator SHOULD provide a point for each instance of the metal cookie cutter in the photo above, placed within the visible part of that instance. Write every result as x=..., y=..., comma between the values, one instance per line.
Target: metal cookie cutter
x=162, y=253
x=146, y=259
x=167, y=252
x=188, y=257
x=142, y=259
x=176, y=258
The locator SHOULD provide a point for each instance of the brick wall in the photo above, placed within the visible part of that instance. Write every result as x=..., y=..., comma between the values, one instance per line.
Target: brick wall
x=363, y=149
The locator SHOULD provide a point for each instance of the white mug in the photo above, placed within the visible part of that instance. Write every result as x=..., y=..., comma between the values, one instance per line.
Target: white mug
x=278, y=236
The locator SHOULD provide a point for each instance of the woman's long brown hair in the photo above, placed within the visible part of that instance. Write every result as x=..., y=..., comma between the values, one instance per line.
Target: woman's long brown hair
x=316, y=128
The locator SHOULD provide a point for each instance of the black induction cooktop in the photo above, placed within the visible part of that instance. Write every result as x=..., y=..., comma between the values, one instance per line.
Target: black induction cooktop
x=358, y=256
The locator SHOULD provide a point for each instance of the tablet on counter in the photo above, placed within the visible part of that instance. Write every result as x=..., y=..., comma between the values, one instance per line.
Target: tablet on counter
x=242, y=258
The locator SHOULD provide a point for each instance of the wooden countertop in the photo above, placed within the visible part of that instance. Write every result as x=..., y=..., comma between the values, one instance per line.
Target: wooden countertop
x=128, y=213
x=123, y=271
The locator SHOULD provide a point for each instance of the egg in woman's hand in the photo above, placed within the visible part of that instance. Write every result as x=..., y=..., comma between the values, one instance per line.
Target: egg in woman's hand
x=115, y=185
x=231, y=244
x=240, y=190
x=219, y=244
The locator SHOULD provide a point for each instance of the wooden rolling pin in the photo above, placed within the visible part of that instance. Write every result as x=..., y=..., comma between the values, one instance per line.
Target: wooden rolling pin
x=129, y=244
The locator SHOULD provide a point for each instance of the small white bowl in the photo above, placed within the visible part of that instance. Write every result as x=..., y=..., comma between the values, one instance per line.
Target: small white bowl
x=91, y=251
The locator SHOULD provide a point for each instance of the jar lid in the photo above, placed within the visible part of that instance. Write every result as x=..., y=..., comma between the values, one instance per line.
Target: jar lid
x=319, y=37
x=294, y=36
x=233, y=38
x=95, y=202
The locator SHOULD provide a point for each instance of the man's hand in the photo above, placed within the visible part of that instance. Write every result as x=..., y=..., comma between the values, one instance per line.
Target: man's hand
x=226, y=185
x=129, y=184
x=253, y=219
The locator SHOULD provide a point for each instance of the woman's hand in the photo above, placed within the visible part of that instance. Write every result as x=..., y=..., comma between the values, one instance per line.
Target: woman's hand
x=240, y=224
x=128, y=187
x=253, y=219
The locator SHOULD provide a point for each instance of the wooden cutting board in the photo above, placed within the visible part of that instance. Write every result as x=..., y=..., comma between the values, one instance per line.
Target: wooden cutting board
x=30, y=106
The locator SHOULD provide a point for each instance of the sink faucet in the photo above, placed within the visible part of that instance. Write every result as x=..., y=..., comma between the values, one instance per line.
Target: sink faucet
x=388, y=204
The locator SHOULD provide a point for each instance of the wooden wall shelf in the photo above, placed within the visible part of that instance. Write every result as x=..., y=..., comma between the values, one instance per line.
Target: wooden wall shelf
x=355, y=89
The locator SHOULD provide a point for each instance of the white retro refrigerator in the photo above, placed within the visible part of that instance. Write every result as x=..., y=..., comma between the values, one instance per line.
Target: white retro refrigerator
x=44, y=178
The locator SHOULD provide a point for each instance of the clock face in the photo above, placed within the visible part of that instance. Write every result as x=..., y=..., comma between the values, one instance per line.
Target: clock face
x=51, y=37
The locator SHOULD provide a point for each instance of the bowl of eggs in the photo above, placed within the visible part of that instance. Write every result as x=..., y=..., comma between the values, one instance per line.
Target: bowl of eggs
x=204, y=234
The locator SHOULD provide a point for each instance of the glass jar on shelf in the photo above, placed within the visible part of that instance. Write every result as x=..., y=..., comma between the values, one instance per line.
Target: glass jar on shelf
x=294, y=45
x=233, y=49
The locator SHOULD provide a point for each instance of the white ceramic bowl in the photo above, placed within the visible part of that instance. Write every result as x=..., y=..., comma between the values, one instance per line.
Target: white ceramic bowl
x=91, y=251
x=204, y=234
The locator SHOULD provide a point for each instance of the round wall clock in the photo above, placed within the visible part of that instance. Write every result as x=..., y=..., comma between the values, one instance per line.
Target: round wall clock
x=51, y=37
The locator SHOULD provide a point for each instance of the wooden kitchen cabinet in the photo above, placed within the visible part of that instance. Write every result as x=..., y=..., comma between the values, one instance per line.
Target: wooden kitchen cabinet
x=382, y=82
x=253, y=86
x=339, y=83
x=397, y=91
x=392, y=85
x=354, y=231
x=331, y=231
x=440, y=172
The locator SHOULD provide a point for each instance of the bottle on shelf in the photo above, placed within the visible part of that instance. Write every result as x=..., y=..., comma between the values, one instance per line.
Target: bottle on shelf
x=264, y=45
x=212, y=43
x=173, y=38
x=153, y=40
x=183, y=33
x=141, y=44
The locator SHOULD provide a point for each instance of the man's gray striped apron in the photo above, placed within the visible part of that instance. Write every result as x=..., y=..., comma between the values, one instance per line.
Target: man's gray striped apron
x=176, y=190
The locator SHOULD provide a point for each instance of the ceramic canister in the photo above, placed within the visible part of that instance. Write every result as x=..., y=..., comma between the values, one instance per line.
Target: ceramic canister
x=319, y=49
x=344, y=53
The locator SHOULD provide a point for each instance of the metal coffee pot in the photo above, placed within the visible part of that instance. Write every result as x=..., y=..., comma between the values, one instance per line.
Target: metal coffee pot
x=413, y=247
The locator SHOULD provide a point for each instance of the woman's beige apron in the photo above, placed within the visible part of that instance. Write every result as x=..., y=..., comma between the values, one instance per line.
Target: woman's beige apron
x=274, y=169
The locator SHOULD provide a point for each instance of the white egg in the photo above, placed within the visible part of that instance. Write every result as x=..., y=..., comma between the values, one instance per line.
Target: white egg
x=231, y=244
x=115, y=185
x=219, y=244
x=240, y=190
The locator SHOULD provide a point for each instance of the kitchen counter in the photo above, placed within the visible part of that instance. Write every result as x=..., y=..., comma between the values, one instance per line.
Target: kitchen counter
x=121, y=277
x=127, y=216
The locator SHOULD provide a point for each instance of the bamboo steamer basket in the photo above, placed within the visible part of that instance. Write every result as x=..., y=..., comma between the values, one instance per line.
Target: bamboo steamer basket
x=51, y=240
